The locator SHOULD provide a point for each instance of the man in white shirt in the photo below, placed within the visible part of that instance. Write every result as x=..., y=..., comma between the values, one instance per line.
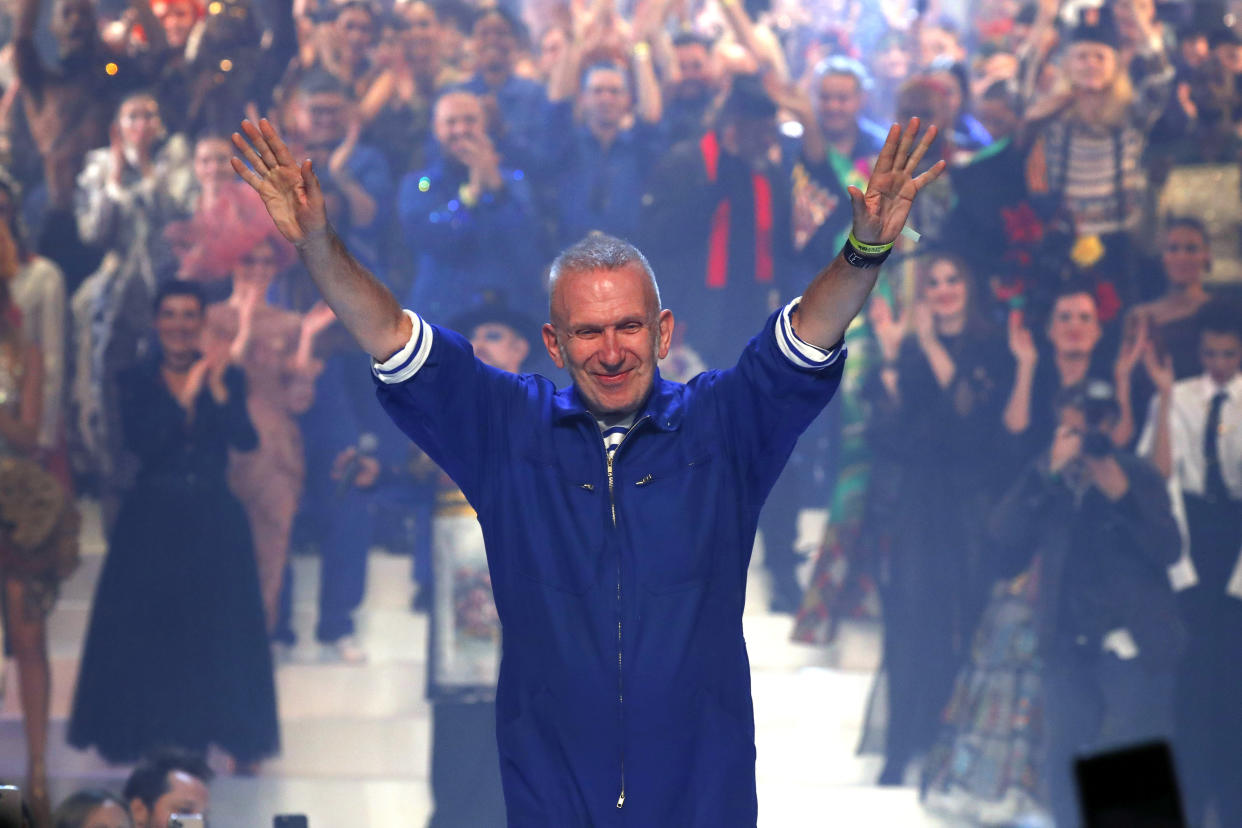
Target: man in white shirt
x=1194, y=436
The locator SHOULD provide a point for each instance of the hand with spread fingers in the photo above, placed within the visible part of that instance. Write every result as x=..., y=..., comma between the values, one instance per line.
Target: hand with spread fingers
x=881, y=212
x=289, y=190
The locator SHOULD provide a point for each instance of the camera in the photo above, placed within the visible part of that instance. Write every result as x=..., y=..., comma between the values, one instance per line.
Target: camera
x=1097, y=444
x=1097, y=401
x=186, y=821
x=1099, y=410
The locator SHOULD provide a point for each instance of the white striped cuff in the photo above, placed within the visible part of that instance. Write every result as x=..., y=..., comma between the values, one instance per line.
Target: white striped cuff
x=406, y=363
x=799, y=352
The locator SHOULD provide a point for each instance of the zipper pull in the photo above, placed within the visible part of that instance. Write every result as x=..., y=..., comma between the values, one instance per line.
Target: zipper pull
x=590, y=487
x=644, y=481
x=621, y=800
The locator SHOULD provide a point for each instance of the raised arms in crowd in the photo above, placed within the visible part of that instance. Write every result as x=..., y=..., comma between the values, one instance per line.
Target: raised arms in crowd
x=293, y=198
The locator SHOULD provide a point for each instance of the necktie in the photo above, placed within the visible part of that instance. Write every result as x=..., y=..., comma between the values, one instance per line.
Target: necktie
x=1214, y=482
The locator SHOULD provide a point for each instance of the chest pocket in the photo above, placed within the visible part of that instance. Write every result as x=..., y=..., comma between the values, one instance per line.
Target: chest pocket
x=678, y=501
x=558, y=535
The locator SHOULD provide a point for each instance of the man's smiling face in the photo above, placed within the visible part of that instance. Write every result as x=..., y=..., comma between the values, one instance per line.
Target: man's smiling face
x=608, y=332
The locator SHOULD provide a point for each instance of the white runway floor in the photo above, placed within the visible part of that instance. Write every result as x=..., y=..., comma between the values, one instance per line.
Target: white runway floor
x=356, y=737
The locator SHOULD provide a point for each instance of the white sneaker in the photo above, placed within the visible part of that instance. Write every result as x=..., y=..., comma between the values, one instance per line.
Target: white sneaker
x=346, y=650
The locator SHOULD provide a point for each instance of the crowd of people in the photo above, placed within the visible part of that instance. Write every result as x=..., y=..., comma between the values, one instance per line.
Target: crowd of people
x=1034, y=469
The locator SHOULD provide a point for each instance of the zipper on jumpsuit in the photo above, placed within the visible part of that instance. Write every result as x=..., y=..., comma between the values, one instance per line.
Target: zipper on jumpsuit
x=612, y=507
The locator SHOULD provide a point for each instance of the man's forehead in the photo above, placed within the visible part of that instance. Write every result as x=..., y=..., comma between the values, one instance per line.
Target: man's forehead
x=839, y=82
x=1075, y=303
x=599, y=295
x=459, y=105
x=607, y=78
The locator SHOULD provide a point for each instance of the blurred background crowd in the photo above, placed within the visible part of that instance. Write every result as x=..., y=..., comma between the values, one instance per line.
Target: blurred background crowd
x=1033, y=470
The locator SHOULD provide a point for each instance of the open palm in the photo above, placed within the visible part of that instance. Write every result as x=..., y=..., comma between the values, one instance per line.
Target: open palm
x=881, y=212
x=290, y=191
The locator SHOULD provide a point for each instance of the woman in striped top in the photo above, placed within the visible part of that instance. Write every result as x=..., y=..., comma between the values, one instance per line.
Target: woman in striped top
x=1086, y=140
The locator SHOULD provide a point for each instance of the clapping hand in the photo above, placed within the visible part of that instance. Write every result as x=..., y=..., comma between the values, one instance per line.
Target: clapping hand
x=290, y=191
x=1021, y=343
x=1066, y=447
x=1159, y=370
x=318, y=319
x=889, y=331
x=923, y=322
x=881, y=212
x=1133, y=348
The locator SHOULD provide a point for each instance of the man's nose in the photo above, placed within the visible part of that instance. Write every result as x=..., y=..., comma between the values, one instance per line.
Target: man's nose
x=611, y=353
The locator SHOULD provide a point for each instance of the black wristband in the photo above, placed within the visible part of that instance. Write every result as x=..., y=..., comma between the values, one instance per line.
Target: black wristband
x=857, y=258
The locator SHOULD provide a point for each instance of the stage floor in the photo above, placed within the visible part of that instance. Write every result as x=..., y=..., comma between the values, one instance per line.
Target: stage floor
x=356, y=737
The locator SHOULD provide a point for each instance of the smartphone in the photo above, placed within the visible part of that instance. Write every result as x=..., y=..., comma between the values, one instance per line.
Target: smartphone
x=290, y=821
x=10, y=807
x=1134, y=787
x=186, y=821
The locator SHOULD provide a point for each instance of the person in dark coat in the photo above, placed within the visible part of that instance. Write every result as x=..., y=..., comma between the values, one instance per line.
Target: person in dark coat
x=716, y=220
x=1100, y=523
x=936, y=419
x=176, y=652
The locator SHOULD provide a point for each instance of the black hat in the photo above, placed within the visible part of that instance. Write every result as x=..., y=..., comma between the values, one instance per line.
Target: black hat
x=747, y=99
x=495, y=311
x=1223, y=36
x=1096, y=24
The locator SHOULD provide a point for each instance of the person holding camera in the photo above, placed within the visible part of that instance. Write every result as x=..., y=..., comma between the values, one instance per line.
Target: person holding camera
x=169, y=783
x=1097, y=524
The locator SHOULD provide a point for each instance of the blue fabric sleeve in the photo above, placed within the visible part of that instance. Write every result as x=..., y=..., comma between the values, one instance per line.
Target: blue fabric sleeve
x=455, y=408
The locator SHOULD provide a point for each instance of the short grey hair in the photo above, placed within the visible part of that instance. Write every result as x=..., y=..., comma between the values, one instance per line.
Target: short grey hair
x=844, y=65
x=599, y=251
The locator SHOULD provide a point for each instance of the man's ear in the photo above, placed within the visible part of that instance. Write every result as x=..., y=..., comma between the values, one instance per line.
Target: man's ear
x=666, y=332
x=554, y=348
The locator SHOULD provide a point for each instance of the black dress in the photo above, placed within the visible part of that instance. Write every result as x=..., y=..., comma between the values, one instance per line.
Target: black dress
x=935, y=474
x=177, y=651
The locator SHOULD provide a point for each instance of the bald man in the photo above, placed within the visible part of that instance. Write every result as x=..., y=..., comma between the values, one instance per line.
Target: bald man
x=470, y=220
x=618, y=513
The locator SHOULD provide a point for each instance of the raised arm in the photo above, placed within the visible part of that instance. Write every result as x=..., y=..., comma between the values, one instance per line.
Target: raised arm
x=839, y=291
x=1017, y=414
x=25, y=56
x=294, y=200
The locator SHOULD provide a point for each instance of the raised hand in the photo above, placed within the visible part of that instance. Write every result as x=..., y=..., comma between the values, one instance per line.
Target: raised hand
x=317, y=319
x=1066, y=447
x=889, y=331
x=1159, y=370
x=881, y=212
x=340, y=156
x=290, y=192
x=1132, y=350
x=1021, y=343
x=195, y=377
x=923, y=322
